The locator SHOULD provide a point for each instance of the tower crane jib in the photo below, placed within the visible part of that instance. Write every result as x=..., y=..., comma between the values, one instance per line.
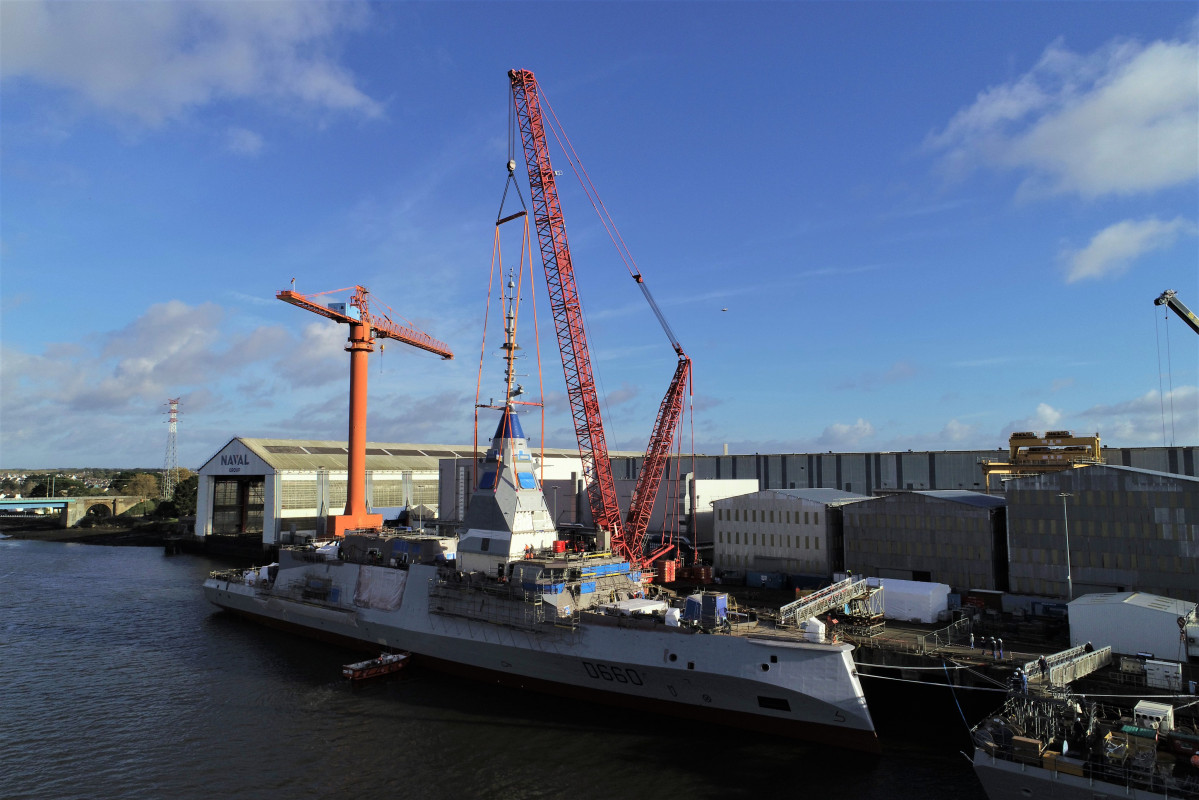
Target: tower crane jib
x=365, y=326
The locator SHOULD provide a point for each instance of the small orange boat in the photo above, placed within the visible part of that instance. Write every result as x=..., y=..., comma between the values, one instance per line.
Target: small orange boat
x=385, y=664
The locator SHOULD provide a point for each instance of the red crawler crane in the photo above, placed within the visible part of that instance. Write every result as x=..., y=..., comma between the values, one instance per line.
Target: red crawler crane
x=365, y=326
x=576, y=360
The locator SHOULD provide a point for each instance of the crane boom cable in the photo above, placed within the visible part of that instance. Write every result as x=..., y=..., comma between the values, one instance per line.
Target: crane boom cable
x=527, y=253
x=605, y=218
x=1161, y=392
x=1170, y=379
x=496, y=255
x=584, y=179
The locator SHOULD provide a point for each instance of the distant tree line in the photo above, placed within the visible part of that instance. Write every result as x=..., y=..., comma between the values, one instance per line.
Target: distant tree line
x=144, y=484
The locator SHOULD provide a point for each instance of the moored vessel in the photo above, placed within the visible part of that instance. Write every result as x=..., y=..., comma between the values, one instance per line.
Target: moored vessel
x=383, y=664
x=1064, y=746
x=510, y=602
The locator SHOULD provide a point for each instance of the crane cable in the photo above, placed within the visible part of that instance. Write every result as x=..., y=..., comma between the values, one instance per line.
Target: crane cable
x=1169, y=372
x=622, y=249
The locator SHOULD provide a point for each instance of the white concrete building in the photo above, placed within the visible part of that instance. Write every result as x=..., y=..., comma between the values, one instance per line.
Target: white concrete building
x=282, y=490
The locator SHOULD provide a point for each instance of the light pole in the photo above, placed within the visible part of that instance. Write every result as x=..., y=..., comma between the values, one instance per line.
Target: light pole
x=1066, y=528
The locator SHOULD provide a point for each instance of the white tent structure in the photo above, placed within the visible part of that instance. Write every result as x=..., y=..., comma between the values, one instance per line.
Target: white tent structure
x=1135, y=622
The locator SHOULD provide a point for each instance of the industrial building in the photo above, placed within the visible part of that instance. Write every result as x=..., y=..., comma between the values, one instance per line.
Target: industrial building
x=795, y=532
x=1136, y=623
x=874, y=473
x=1124, y=528
x=282, y=490
x=948, y=536
x=265, y=487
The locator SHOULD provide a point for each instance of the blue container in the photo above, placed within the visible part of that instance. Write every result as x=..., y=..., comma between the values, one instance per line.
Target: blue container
x=586, y=587
x=335, y=594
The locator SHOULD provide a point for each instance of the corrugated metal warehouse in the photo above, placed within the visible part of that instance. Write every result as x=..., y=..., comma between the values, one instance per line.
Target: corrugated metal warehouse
x=869, y=473
x=788, y=531
x=1128, y=529
x=947, y=536
x=279, y=487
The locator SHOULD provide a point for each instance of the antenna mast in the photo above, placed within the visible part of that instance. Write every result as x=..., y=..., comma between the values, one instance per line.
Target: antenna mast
x=170, y=469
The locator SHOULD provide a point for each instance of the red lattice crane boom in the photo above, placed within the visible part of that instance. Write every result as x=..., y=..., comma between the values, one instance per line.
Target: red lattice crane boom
x=567, y=312
x=365, y=327
x=576, y=360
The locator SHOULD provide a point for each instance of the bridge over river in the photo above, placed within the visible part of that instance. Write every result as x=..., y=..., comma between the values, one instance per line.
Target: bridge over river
x=71, y=509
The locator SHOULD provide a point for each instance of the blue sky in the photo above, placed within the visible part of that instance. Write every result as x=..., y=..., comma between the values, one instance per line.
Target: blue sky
x=931, y=224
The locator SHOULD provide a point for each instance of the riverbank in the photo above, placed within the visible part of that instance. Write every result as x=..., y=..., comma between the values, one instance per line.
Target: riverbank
x=135, y=533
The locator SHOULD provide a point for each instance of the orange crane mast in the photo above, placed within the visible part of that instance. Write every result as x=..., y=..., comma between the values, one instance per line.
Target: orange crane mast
x=365, y=327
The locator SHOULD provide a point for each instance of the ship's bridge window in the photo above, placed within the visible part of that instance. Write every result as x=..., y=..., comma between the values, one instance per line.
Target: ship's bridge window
x=487, y=481
x=526, y=479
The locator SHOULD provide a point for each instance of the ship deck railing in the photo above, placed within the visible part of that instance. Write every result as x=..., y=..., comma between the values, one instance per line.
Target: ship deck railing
x=1069, y=665
x=955, y=633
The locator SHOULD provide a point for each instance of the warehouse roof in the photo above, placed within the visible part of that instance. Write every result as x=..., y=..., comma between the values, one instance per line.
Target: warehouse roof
x=966, y=496
x=1154, y=602
x=1023, y=480
x=828, y=497
x=312, y=454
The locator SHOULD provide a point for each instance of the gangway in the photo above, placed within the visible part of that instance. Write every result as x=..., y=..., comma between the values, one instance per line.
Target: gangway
x=823, y=600
x=1069, y=665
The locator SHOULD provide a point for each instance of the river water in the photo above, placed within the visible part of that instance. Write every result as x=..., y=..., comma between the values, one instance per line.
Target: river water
x=118, y=680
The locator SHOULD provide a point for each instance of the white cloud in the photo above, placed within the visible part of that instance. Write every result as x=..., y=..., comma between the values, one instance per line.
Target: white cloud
x=96, y=401
x=1122, y=120
x=1046, y=417
x=1115, y=247
x=156, y=61
x=1151, y=419
x=243, y=142
x=842, y=436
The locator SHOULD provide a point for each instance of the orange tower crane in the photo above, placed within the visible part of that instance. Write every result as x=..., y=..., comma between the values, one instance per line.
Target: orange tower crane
x=365, y=327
